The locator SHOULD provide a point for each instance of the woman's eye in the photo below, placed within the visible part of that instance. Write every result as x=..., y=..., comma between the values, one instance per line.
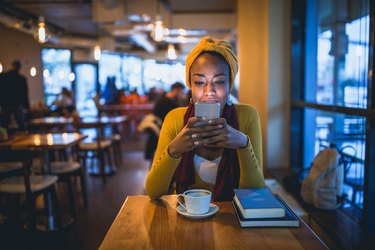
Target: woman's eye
x=219, y=82
x=198, y=82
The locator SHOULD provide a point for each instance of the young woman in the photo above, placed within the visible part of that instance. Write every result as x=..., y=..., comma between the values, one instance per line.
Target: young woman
x=220, y=156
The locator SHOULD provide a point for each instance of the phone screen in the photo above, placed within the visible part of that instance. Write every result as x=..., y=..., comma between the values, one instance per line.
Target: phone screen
x=210, y=110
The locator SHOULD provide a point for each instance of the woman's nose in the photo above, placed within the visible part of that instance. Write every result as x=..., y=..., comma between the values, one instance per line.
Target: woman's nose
x=210, y=88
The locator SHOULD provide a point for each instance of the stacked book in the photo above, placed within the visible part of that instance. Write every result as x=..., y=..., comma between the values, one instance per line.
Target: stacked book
x=259, y=207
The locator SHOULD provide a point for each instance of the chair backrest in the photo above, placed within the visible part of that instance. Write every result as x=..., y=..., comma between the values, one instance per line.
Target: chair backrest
x=24, y=156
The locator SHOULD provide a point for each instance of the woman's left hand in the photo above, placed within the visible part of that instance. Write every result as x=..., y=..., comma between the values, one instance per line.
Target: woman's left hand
x=224, y=136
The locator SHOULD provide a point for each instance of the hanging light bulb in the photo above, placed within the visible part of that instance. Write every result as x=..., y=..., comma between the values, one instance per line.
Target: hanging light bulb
x=41, y=33
x=33, y=71
x=1, y=68
x=72, y=76
x=97, y=52
x=171, y=53
x=157, y=32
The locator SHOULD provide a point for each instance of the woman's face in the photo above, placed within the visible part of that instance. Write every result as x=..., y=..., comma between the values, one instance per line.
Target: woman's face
x=210, y=78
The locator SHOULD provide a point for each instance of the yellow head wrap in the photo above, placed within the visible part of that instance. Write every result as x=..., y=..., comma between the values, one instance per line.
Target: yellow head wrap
x=217, y=46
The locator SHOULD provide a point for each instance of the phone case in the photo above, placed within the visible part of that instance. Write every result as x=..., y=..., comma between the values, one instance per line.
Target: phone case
x=210, y=110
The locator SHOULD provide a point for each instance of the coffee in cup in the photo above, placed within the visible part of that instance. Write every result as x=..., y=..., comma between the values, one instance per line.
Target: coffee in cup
x=197, y=201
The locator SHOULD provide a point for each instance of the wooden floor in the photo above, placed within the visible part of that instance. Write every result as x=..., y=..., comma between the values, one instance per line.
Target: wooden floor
x=92, y=223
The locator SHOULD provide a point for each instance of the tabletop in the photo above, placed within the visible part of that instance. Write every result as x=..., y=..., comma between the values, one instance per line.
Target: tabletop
x=142, y=223
x=47, y=141
x=104, y=120
x=52, y=120
x=128, y=107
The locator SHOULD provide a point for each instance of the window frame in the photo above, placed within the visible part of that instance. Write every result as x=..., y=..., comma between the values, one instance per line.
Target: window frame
x=301, y=12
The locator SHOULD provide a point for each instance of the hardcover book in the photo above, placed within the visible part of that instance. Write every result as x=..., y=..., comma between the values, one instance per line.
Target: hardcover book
x=258, y=203
x=289, y=220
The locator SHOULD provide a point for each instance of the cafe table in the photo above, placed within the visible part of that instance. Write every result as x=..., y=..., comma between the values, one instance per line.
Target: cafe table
x=135, y=112
x=145, y=224
x=45, y=124
x=45, y=143
x=60, y=122
x=98, y=123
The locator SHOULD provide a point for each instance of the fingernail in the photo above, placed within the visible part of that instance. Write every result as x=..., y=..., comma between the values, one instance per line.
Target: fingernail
x=210, y=121
x=220, y=126
x=193, y=135
x=196, y=142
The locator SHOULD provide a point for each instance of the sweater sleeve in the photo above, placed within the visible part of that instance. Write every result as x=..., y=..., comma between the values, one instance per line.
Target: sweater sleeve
x=163, y=167
x=250, y=157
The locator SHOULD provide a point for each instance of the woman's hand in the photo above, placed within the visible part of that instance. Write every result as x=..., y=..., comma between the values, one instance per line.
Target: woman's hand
x=186, y=139
x=214, y=133
x=223, y=136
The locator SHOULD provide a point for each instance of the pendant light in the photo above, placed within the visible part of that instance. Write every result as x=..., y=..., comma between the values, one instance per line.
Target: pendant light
x=41, y=33
x=97, y=52
x=158, y=29
x=171, y=52
x=97, y=49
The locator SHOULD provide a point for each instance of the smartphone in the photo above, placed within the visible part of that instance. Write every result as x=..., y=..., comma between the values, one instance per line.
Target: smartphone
x=210, y=110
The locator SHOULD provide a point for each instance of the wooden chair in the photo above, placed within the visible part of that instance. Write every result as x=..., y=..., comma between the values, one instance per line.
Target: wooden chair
x=10, y=168
x=30, y=186
x=99, y=148
x=65, y=170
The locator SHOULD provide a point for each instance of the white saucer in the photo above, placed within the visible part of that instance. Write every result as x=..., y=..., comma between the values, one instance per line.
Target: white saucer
x=211, y=211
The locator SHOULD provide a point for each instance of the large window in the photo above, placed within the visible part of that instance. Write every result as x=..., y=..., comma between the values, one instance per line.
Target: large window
x=110, y=66
x=332, y=100
x=57, y=72
x=132, y=73
x=161, y=75
x=86, y=88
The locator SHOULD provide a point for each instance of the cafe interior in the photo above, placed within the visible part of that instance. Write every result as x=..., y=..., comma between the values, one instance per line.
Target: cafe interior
x=95, y=69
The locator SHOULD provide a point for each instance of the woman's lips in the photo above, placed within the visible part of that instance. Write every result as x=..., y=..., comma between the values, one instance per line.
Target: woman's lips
x=210, y=100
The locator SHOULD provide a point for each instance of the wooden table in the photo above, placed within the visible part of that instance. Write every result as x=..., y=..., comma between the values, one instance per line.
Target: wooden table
x=45, y=124
x=103, y=120
x=51, y=120
x=135, y=112
x=145, y=224
x=140, y=108
x=89, y=121
x=46, y=142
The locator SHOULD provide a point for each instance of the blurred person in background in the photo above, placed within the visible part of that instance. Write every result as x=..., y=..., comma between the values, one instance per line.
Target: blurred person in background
x=14, y=99
x=64, y=103
x=152, y=123
x=111, y=93
x=169, y=100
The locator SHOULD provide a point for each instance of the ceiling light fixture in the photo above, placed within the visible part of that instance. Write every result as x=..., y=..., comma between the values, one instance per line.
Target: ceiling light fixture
x=41, y=33
x=33, y=71
x=158, y=29
x=171, y=53
x=97, y=52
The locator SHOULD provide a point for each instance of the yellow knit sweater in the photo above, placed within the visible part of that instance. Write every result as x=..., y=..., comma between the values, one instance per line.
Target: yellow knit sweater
x=163, y=167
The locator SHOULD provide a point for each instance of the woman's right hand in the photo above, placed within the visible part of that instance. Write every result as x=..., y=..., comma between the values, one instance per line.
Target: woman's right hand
x=187, y=140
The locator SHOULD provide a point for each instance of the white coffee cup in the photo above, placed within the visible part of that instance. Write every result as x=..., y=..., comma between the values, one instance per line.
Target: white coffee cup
x=197, y=201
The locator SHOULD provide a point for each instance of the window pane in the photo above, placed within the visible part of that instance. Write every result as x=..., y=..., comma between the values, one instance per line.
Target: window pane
x=348, y=133
x=56, y=72
x=162, y=76
x=85, y=89
x=110, y=66
x=342, y=53
x=132, y=74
